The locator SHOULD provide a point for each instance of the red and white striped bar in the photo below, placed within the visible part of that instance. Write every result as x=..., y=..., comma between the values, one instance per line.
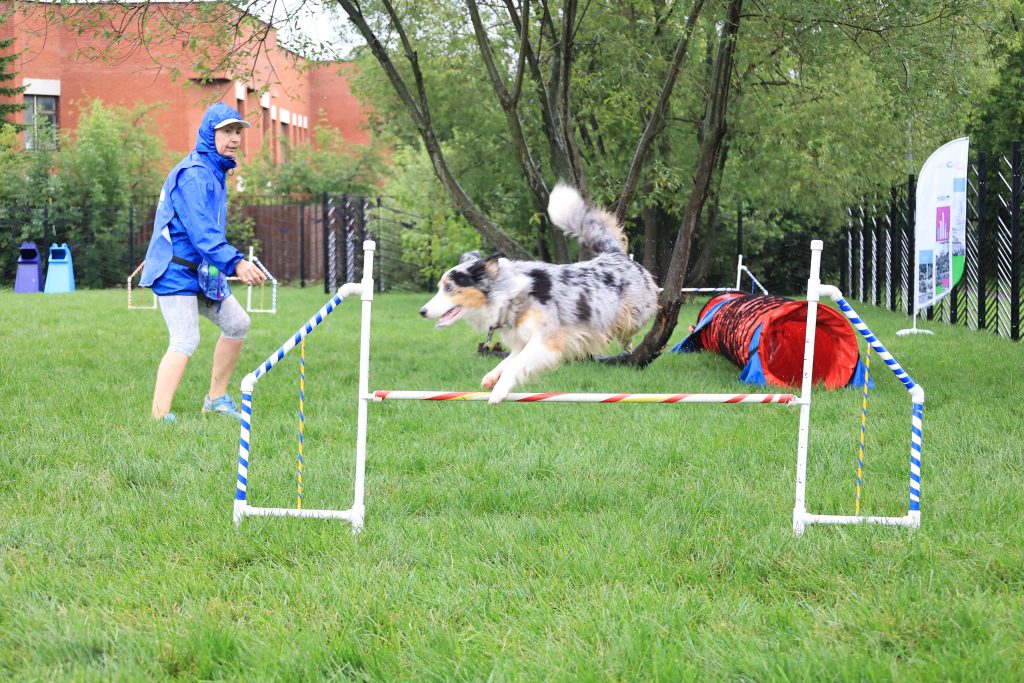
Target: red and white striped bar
x=383, y=395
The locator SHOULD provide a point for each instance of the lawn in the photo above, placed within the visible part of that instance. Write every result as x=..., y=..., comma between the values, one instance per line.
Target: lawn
x=512, y=542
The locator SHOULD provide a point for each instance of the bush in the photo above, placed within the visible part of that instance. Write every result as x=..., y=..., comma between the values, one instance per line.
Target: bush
x=112, y=157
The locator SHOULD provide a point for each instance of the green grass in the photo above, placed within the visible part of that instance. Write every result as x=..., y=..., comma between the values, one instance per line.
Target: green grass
x=512, y=542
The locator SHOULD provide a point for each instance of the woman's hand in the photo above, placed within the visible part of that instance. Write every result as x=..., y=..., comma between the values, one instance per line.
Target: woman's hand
x=249, y=273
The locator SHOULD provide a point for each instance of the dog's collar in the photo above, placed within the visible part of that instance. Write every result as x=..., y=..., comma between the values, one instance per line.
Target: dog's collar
x=501, y=321
x=496, y=326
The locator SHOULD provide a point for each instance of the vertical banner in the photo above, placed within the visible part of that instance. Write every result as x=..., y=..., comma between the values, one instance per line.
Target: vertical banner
x=941, y=223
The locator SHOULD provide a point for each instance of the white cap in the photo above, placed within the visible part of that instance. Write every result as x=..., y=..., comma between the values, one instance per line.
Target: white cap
x=228, y=122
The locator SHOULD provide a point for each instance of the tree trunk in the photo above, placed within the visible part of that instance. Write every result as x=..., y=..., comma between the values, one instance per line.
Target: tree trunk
x=713, y=126
x=702, y=262
x=657, y=240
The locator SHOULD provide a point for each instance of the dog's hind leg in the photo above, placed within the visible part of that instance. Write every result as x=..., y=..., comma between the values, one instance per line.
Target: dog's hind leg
x=535, y=357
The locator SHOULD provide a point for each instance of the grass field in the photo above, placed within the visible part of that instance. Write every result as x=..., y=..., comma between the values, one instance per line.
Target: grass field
x=513, y=542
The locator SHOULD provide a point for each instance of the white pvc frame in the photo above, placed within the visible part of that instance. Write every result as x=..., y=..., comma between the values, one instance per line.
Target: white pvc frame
x=801, y=517
x=740, y=269
x=150, y=307
x=356, y=513
x=273, y=285
x=248, y=300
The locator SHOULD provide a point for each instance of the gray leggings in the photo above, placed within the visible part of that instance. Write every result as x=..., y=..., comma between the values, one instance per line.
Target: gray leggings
x=182, y=316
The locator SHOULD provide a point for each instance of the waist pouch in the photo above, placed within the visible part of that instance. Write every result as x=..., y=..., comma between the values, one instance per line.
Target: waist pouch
x=212, y=281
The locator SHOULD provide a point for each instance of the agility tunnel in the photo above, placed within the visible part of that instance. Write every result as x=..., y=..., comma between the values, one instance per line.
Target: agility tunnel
x=764, y=335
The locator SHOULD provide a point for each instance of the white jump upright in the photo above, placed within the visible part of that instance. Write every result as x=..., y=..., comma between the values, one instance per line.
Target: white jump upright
x=740, y=269
x=151, y=306
x=355, y=514
x=801, y=517
x=273, y=287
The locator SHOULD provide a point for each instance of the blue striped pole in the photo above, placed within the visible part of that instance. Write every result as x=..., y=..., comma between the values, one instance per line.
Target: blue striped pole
x=302, y=414
x=302, y=333
x=249, y=382
x=863, y=428
x=916, y=393
x=243, y=448
x=865, y=332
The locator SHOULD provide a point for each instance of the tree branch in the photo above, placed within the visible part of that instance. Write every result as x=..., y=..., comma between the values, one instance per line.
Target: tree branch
x=714, y=128
x=654, y=123
x=417, y=108
x=508, y=102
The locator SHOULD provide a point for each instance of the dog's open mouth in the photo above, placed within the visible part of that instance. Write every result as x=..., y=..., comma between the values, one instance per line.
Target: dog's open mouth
x=450, y=316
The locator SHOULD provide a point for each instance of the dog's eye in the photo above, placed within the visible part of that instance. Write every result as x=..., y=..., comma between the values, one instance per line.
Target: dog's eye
x=447, y=287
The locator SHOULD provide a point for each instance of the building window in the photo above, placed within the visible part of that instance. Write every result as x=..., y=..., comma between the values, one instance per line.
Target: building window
x=285, y=142
x=40, y=121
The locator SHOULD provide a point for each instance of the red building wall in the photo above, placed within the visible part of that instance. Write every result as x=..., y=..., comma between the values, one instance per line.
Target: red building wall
x=282, y=96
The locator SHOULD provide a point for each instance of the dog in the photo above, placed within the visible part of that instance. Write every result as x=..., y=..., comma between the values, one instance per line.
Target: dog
x=547, y=313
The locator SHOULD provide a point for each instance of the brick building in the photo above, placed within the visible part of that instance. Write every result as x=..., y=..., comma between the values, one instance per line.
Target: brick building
x=152, y=60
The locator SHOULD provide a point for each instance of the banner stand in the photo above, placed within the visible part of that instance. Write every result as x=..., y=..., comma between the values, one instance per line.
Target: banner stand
x=913, y=330
x=940, y=222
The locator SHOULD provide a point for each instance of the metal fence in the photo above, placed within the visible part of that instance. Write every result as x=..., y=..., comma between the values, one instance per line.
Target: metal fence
x=302, y=241
x=879, y=250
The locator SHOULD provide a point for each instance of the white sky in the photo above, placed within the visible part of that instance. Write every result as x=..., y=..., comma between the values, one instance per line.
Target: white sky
x=317, y=20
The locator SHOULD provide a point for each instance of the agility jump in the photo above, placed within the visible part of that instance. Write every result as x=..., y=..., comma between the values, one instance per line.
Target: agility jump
x=259, y=308
x=740, y=270
x=364, y=289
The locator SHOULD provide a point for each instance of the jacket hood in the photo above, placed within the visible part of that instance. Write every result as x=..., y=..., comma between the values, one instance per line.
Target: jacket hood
x=205, y=140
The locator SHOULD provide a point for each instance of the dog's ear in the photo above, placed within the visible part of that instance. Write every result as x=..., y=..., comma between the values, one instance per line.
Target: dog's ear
x=474, y=255
x=491, y=263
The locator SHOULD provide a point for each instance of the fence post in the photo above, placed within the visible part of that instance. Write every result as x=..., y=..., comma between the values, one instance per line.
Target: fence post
x=910, y=255
x=1015, y=245
x=982, y=199
x=302, y=245
x=739, y=230
x=893, y=251
x=131, y=237
x=326, y=218
x=860, y=249
x=875, y=270
x=847, y=276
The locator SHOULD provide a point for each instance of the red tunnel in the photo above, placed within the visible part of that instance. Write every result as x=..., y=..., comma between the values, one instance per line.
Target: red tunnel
x=779, y=325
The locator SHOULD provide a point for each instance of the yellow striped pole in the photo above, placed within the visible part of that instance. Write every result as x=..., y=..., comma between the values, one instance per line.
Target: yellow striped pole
x=863, y=428
x=302, y=412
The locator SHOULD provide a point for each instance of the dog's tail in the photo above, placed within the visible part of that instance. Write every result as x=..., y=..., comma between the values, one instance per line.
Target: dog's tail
x=596, y=229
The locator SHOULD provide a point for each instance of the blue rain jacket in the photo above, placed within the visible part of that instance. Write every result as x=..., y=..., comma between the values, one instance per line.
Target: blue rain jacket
x=191, y=217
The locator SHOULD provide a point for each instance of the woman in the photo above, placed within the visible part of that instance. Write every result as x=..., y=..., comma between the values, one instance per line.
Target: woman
x=188, y=235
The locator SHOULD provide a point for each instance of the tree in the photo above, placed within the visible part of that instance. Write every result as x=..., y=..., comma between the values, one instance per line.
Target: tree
x=998, y=120
x=527, y=92
x=8, y=92
x=111, y=159
x=327, y=165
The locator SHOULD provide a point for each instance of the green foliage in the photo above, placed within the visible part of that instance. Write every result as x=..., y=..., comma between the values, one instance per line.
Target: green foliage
x=329, y=164
x=26, y=188
x=8, y=109
x=25, y=178
x=112, y=157
x=81, y=192
x=431, y=234
x=827, y=101
x=997, y=118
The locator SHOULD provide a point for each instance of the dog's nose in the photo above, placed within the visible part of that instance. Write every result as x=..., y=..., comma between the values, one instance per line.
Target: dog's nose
x=423, y=311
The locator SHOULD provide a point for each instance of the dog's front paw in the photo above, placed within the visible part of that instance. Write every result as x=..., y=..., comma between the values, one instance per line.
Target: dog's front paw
x=498, y=395
x=490, y=379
